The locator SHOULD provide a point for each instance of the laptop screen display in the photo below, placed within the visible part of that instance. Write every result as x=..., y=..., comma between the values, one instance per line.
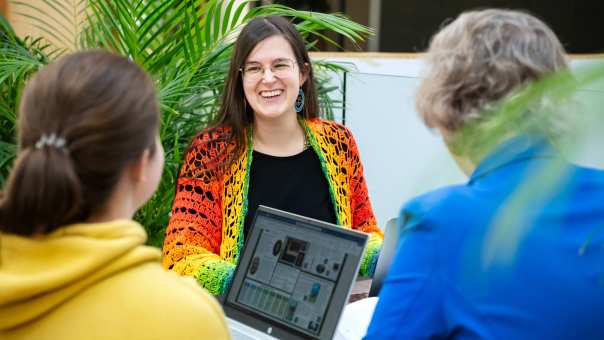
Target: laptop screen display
x=291, y=274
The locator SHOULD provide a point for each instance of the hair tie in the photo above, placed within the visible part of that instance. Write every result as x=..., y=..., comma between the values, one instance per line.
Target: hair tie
x=51, y=140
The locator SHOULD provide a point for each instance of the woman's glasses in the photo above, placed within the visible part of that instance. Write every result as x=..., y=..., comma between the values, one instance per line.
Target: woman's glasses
x=280, y=68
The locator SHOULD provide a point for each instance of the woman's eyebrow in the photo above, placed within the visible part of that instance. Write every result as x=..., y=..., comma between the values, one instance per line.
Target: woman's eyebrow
x=272, y=61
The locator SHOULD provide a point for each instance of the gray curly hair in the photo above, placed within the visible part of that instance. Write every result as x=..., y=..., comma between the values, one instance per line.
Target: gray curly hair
x=479, y=58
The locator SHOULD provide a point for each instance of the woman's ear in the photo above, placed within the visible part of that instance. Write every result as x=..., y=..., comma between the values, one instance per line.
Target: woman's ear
x=137, y=170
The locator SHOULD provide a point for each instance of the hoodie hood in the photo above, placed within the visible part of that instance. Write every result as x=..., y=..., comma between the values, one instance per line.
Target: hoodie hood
x=38, y=274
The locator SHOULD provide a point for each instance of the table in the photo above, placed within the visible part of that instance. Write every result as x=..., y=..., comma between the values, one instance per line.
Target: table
x=360, y=289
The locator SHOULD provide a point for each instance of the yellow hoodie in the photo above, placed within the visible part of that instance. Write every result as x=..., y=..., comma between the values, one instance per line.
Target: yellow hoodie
x=98, y=281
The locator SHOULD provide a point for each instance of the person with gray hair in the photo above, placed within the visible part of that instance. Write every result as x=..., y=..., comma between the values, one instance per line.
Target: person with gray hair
x=516, y=252
x=481, y=58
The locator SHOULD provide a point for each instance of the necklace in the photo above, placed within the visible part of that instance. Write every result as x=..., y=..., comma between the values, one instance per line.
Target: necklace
x=306, y=142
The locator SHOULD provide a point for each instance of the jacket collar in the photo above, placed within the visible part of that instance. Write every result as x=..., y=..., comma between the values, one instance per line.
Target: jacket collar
x=518, y=149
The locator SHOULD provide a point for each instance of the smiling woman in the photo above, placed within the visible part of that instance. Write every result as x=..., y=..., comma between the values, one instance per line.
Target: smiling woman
x=267, y=147
x=272, y=94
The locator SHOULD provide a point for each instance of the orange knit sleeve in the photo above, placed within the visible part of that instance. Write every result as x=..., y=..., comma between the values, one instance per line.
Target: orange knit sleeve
x=363, y=218
x=193, y=236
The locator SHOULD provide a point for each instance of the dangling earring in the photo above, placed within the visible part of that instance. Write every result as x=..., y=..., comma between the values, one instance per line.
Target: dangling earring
x=299, y=101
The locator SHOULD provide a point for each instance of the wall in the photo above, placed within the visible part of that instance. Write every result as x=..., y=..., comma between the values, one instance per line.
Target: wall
x=406, y=26
x=64, y=36
x=68, y=24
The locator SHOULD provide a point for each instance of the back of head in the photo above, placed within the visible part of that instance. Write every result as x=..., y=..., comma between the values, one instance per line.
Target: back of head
x=82, y=120
x=478, y=59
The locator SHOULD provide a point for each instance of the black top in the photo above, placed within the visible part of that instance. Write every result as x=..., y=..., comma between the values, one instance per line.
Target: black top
x=295, y=183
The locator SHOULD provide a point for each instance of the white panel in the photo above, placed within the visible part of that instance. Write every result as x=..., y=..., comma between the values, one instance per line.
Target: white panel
x=402, y=158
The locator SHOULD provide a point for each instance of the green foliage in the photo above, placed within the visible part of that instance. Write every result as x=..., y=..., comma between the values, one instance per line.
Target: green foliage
x=18, y=60
x=184, y=44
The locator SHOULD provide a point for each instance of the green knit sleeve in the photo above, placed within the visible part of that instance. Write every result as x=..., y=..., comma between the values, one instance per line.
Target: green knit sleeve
x=371, y=254
x=215, y=275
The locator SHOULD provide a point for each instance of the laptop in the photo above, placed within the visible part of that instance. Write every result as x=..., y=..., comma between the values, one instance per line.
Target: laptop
x=293, y=278
x=392, y=235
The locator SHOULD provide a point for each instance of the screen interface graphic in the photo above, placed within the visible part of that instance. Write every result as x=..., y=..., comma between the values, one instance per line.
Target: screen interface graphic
x=292, y=277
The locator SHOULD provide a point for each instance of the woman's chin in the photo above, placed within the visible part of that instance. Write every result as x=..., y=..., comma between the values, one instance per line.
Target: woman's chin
x=273, y=114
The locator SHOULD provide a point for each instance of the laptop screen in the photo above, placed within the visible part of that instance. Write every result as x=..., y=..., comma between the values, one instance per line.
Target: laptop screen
x=296, y=272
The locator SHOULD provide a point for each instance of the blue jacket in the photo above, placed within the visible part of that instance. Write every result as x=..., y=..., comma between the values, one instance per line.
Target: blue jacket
x=516, y=253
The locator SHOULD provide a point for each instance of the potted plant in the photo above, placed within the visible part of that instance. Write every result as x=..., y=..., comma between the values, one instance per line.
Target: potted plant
x=184, y=45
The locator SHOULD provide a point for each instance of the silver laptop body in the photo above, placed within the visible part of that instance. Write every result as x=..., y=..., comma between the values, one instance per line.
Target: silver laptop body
x=293, y=278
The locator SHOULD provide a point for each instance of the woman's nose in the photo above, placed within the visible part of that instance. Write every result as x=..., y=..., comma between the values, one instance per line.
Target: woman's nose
x=268, y=75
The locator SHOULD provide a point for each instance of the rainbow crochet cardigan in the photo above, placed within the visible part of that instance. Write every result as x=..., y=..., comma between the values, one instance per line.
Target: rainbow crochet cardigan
x=205, y=234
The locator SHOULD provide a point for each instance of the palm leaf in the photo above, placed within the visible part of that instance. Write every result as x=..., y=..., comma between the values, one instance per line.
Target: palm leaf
x=184, y=44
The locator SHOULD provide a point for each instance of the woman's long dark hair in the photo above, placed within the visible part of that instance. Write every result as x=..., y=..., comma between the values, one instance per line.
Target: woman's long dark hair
x=234, y=112
x=104, y=107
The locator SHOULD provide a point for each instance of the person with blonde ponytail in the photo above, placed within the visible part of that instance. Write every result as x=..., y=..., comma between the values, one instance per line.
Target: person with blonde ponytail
x=73, y=264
